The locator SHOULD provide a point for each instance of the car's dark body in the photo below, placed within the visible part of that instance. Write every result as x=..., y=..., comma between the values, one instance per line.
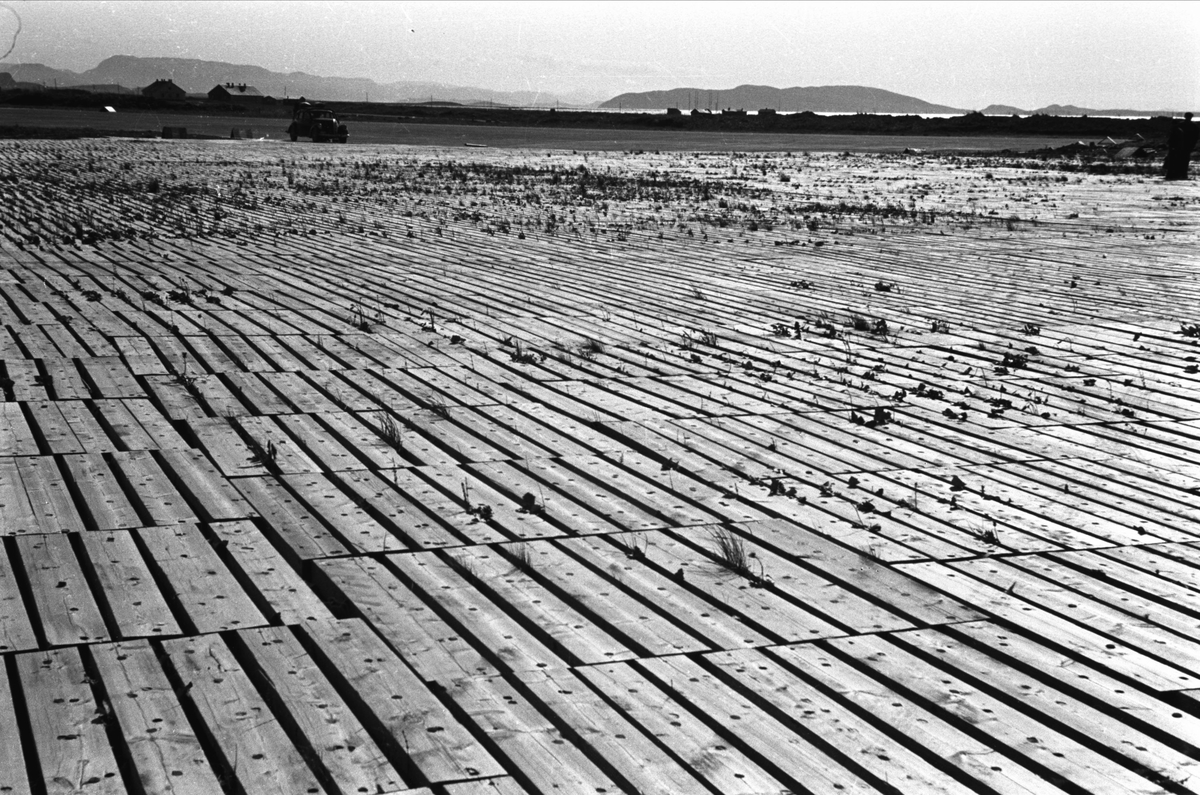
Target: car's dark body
x=317, y=123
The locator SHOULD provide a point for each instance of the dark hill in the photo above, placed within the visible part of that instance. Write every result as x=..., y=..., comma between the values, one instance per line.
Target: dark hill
x=819, y=99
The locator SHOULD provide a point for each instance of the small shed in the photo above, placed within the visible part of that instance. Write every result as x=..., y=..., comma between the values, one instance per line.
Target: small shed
x=236, y=92
x=164, y=89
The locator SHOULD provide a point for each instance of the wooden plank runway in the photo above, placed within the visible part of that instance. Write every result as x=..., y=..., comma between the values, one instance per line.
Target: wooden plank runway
x=461, y=472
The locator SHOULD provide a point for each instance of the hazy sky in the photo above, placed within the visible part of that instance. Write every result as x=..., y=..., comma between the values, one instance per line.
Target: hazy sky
x=1139, y=55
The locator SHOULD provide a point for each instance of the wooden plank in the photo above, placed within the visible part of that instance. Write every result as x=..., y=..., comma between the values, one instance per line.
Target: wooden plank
x=137, y=606
x=331, y=453
x=12, y=761
x=526, y=739
x=658, y=712
x=360, y=432
x=993, y=598
x=289, y=458
x=65, y=379
x=484, y=624
x=104, y=499
x=299, y=688
x=83, y=423
x=439, y=747
x=66, y=608
x=996, y=719
x=487, y=786
x=646, y=626
x=16, y=629
x=632, y=756
x=55, y=429
x=429, y=645
x=16, y=437
x=403, y=516
x=264, y=571
x=720, y=627
x=295, y=529
x=257, y=751
x=344, y=514
x=159, y=497
x=859, y=572
x=342, y=390
x=916, y=720
x=1054, y=588
x=137, y=425
x=216, y=498
x=16, y=511
x=73, y=751
x=27, y=386
x=755, y=732
x=517, y=587
x=815, y=714
x=111, y=376
x=200, y=584
x=178, y=403
x=453, y=492
x=1058, y=704
x=819, y=594
x=761, y=608
x=167, y=756
x=252, y=392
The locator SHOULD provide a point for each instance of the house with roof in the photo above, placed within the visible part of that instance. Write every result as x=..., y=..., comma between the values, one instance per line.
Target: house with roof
x=164, y=89
x=236, y=92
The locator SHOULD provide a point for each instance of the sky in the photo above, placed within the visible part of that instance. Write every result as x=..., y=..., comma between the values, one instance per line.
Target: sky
x=1141, y=55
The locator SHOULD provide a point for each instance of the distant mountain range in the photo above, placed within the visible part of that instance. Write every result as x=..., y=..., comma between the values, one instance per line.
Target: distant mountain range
x=818, y=99
x=198, y=77
x=831, y=99
x=1071, y=110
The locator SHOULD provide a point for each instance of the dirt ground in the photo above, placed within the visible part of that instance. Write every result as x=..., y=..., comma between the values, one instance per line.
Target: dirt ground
x=455, y=471
x=518, y=137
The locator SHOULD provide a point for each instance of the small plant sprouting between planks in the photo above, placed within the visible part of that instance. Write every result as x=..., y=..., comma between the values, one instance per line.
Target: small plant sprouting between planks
x=590, y=348
x=731, y=553
x=634, y=545
x=529, y=504
x=263, y=456
x=522, y=558
x=390, y=431
x=988, y=535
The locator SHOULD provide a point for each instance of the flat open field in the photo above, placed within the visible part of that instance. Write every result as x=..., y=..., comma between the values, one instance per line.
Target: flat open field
x=377, y=469
x=422, y=134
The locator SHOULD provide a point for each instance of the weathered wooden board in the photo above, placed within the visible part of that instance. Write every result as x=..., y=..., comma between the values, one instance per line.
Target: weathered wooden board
x=16, y=436
x=205, y=487
x=328, y=726
x=12, y=760
x=428, y=644
x=72, y=747
x=997, y=720
x=66, y=607
x=200, y=586
x=526, y=739
x=266, y=576
x=16, y=629
x=167, y=756
x=295, y=529
x=132, y=596
x=256, y=750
